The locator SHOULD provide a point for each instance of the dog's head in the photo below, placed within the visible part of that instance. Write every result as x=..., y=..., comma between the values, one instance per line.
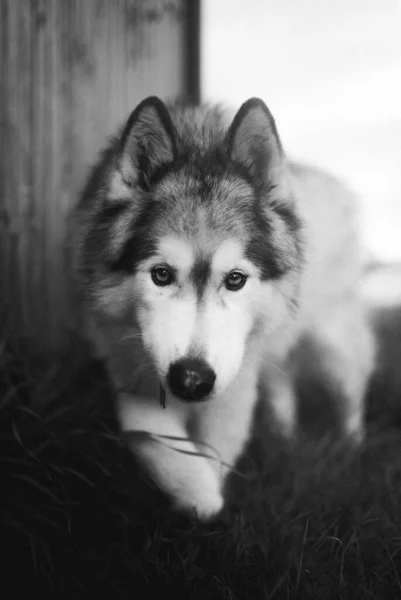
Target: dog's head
x=194, y=239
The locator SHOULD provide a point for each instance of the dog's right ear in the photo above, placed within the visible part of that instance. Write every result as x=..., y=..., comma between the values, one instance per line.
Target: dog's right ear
x=147, y=143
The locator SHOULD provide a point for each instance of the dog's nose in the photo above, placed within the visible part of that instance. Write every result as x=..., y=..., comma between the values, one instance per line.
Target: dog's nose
x=191, y=379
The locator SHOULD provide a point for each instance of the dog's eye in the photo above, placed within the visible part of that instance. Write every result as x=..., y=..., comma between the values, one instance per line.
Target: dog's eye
x=235, y=281
x=162, y=276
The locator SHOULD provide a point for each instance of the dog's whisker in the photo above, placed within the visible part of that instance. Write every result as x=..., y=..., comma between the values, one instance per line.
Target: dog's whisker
x=131, y=336
x=275, y=366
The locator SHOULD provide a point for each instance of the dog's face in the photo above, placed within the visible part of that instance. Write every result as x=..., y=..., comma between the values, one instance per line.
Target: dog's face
x=197, y=307
x=193, y=242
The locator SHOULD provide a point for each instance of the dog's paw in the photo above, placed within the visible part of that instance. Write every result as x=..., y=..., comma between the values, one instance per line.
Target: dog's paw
x=204, y=507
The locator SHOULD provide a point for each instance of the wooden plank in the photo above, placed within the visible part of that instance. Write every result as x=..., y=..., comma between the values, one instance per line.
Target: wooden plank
x=71, y=73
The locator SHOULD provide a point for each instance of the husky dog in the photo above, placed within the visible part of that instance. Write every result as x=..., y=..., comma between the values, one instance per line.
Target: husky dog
x=204, y=260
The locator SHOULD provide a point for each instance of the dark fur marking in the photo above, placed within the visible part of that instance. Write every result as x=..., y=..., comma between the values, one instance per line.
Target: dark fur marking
x=159, y=173
x=137, y=249
x=260, y=249
x=288, y=215
x=265, y=257
x=204, y=166
x=200, y=275
x=140, y=245
x=272, y=262
x=96, y=243
x=112, y=211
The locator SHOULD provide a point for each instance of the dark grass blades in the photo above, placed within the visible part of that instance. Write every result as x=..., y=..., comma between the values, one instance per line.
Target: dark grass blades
x=315, y=520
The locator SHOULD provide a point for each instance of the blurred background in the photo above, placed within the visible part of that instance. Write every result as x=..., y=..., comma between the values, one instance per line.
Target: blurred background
x=72, y=70
x=330, y=72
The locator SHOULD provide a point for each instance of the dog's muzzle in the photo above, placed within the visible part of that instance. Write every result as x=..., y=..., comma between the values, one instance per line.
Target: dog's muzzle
x=191, y=379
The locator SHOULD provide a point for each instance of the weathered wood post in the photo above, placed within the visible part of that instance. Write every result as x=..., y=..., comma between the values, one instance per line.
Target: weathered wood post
x=71, y=71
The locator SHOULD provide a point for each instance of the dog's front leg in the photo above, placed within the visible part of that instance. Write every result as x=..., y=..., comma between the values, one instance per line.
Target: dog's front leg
x=172, y=463
x=223, y=425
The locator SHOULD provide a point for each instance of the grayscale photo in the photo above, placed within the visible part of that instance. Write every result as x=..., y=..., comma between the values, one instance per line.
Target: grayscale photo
x=200, y=299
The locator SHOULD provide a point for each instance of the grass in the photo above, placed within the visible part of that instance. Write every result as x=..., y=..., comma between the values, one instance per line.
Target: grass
x=314, y=520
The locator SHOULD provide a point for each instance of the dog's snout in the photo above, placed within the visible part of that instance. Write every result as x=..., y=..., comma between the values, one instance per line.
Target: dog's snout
x=191, y=379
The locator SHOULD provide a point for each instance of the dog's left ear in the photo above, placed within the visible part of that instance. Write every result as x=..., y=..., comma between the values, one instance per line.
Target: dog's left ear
x=253, y=142
x=148, y=141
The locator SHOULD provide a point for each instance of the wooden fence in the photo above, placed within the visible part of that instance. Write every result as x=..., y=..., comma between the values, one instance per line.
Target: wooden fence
x=71, y=71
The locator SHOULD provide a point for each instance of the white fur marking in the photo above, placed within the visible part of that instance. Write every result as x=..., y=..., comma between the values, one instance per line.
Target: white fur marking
x=177, y=253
